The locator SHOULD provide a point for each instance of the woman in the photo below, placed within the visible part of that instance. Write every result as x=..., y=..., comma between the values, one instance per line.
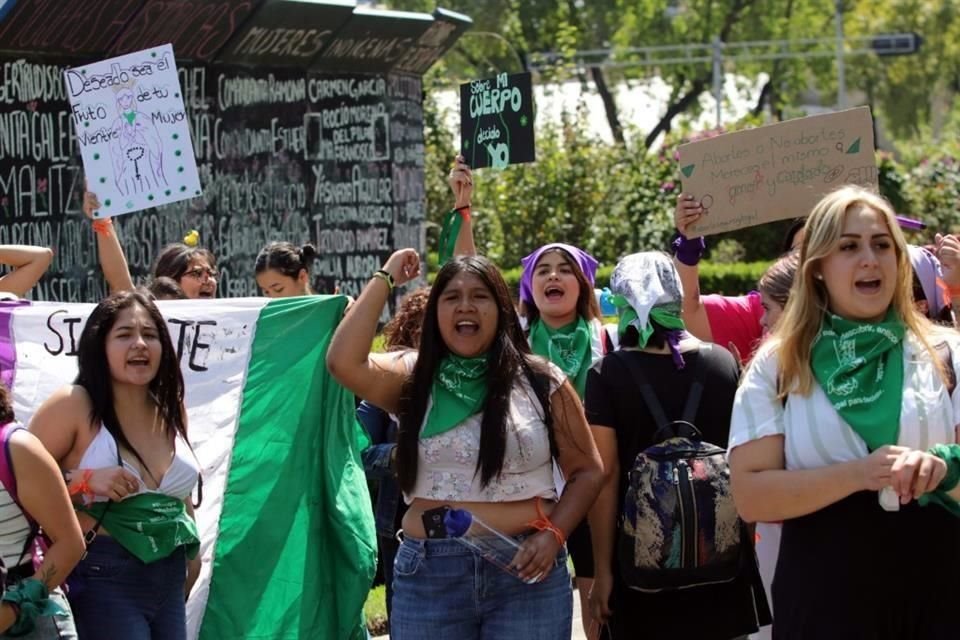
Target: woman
x=400, y=334
x=283, y=269
x=193, y=268
x=830, y=434
x=559, y=308
x=469, y=440
x=120, y=435
x=35, y=497
x=653, y=337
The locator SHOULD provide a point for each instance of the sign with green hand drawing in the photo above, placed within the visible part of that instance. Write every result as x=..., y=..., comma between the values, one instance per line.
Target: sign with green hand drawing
x=777, y=171
x=496, y=121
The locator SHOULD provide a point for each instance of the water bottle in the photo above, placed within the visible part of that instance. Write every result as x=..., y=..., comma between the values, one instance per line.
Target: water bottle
x=605, y=300
x=487, y=542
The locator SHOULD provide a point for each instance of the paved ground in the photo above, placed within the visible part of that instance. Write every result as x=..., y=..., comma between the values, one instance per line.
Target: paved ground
x=577, y=623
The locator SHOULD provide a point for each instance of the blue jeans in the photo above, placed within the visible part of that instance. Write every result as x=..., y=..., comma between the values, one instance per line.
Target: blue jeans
x=52, y=627
x=115, y=595
x=441, y=589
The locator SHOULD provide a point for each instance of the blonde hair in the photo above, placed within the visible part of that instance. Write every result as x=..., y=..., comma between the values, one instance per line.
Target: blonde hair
x=808, y=302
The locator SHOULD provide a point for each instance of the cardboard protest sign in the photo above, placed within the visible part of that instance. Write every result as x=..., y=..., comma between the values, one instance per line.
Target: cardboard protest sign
x=132, y=127
x=777, y=171
x=496, y=121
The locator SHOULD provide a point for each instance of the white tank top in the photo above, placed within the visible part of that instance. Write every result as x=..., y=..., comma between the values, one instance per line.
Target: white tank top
x=447, y=464
x=14, y=530
x=177, y=482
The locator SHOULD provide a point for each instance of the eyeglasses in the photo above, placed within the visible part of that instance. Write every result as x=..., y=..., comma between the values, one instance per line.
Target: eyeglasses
x=200, y=272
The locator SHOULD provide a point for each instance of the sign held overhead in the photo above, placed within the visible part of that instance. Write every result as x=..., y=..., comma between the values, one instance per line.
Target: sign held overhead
x=496, y=121
x=778, y=171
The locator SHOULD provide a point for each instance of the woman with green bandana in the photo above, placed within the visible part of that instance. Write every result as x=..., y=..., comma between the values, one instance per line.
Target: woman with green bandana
x=120, y=435
x=646, y=289
x=563, y=321
x=844, y=428
x=481, y=422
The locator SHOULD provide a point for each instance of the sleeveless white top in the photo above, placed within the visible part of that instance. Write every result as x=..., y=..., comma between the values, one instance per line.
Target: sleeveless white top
x=14, y=530
x=177, y=482
x=447, y=462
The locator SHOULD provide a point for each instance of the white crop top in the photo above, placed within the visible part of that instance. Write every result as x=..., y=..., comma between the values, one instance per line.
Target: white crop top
x=447, y=463
x=177, y=482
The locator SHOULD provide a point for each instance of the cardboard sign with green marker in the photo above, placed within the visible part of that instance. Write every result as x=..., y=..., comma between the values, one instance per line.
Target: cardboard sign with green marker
x=132, y=128
x=778, y=171
x=496, y=121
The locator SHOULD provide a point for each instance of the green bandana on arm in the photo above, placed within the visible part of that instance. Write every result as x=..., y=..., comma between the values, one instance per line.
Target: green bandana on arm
x=452, y=222
x=860, y=367
x=568, y=347
x=149, y=525
x=459, y=391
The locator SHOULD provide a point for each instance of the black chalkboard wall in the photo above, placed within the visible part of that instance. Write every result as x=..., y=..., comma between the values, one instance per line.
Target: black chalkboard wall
x=285, y=151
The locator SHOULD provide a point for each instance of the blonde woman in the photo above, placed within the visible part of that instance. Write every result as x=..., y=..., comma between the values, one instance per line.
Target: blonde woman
x=844, y=428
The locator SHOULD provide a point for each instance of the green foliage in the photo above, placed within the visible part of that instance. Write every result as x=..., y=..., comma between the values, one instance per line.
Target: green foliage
x=375, y=611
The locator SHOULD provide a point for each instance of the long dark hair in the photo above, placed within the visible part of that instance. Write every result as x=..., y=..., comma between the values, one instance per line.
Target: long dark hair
x=175, y=258
x=587, y=306
x=508, y=354
x=93, y=375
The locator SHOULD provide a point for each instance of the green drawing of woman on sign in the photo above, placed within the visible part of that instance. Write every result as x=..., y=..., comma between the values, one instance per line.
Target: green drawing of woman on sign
x=136, y=150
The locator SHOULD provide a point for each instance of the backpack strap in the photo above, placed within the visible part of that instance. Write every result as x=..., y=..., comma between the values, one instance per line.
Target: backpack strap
x=696, y=388
x=945, y=355
x=646, y=391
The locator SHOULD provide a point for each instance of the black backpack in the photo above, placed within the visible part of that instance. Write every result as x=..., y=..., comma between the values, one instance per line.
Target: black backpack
x=679, y=527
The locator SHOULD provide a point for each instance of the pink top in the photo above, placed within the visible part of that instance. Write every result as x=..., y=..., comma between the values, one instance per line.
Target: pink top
x=736, y=320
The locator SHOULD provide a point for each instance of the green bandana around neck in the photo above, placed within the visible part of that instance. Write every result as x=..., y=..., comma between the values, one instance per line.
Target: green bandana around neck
x=459, y=391
x=860, y=367
x=149, y=525
x=130, y=116
x=665, y=316
x=569, y=347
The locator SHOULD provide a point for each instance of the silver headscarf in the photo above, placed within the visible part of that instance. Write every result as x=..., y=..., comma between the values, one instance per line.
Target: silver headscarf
x=648, y=281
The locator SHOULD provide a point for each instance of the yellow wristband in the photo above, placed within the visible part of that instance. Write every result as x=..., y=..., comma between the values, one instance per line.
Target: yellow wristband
x=386, y=277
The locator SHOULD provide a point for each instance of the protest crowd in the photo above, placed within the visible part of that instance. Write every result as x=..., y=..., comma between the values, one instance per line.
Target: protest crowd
x=712, y=464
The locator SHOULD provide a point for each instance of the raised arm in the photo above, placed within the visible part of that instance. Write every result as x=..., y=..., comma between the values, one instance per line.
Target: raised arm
x=376, y=378
x=694, y=314
x=29, y=264
x=113, y=262
x=948, y=252
x=461, y=183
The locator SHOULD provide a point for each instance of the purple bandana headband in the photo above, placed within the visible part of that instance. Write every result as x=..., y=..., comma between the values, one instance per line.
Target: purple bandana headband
x=586, y=262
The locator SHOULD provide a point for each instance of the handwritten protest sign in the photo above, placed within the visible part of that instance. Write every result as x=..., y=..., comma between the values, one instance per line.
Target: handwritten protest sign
x=777, y=171
x=132, y=127
x=496, y=121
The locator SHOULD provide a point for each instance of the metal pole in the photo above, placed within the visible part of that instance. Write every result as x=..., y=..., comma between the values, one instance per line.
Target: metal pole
x=718, y=78
x=841, y=69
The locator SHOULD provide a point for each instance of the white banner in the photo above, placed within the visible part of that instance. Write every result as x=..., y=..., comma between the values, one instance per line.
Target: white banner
x=213, y=341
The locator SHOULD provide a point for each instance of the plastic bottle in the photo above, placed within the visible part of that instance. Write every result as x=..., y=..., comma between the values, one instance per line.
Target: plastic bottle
x=487, y=542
